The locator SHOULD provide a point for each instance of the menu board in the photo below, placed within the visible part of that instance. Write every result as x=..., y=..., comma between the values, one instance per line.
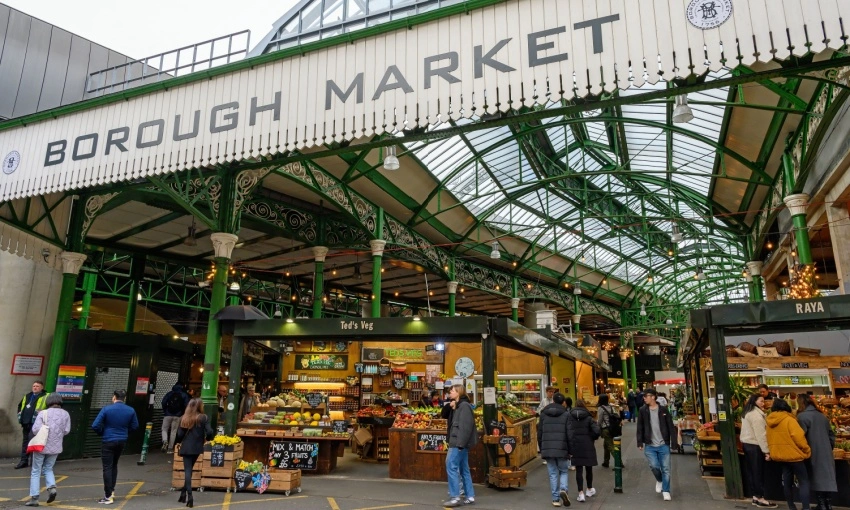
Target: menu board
x=431, y=442
x=217, y=456
x=321, y=362
x=340, y=426
x=242, y=478
x=293, y=455
x=315, y=399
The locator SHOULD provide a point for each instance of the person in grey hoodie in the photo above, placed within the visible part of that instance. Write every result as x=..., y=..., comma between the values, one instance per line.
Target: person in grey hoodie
x=58, y=422
x=462, y=437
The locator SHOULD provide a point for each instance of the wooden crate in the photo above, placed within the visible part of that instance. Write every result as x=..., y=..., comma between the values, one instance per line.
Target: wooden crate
x=177, y=479
x=712, y=462
x=507, y=477
x=218, y=483
x=228, y=456
x=285, y=480
x=220, y=472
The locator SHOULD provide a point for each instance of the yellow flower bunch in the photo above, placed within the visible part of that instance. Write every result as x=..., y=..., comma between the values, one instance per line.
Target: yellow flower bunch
x=226, y=440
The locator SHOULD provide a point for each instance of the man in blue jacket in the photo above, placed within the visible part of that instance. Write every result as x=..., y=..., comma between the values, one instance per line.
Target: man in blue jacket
x=114, y=423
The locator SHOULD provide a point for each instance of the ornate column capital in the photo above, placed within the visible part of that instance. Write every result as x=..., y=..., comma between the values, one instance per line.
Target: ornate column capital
x=755, y=267
x=223, y=244
x=72, y=262
x=452, y=287
x=576, y=319
x=377, y=247
x=797, y=204
x=319, y=253
x=515, y=302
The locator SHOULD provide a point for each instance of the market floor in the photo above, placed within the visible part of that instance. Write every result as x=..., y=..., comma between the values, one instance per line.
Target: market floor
x=363, y=486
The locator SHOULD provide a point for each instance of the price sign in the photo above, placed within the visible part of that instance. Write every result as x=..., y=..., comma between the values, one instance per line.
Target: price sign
x=315, y=399
x=428, y=442
x=498, y=428
x=398, y=383
x=382, y=370
x=293, y=455
x=340, y=426
x=526, y=433
x=217, y=456
x=242, y=478
x=507, y=443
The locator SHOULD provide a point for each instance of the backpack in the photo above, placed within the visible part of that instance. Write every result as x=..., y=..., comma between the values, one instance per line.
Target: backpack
x=174, y=404
x=615, y=424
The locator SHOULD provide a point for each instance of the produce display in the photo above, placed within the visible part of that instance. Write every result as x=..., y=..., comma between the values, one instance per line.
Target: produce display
x=512, y=412
x=410, y=419
x=479, y=417
x=838, y=414
x=376, y=411
x=225, y=440
x=285, y=418
x=251, y=467
x=293, y=398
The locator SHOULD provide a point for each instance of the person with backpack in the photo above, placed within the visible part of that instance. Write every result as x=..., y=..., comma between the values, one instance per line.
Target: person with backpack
x=582, y=431
x=655, y=436
x=173, y=406
x=611, y=425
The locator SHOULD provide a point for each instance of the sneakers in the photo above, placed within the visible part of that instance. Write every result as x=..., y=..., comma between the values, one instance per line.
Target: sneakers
x=556, y=503
x=565, y=498
x=666, y=496
x=170, y=451
x=468, y=501
x=544, y=461
x=763, y=503
x=451, y=503
x=580, y=497
x=658, y=487
x=590, y=492
x=32, y=502
x=572, y=468
x=51, y=491
x=106, y=501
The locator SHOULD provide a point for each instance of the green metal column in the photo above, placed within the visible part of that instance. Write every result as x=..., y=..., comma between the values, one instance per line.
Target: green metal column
x=223, y=244
x=319, y=252
x=488, y=377
x=137, y=271
x=797, y=206
x=71, y=264
x=633, y=370
x=231, y=410
x=754, y=267
x=89, y=282
x=452, y=287
x=625, y=362
x=377, y=253
x=514, y=299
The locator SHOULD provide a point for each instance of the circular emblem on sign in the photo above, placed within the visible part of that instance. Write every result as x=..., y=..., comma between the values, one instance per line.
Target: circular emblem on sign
x=11, y=162
x=708, y=14
x=230, y=406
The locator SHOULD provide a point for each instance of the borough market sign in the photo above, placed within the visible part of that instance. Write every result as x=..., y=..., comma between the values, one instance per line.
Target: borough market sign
x=502, y=56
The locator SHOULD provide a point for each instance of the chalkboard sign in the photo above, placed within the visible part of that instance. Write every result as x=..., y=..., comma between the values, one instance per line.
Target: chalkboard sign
x=217, y=456
x=340, y=426
x=372, y=354
x=398, y=383
x=498, y=428
x=429, y=442
x=526, y=433
x=321, y=362
x=508, y=444
x=293, y=455
x=382, y=370
x=315, y=399
x=242, y=478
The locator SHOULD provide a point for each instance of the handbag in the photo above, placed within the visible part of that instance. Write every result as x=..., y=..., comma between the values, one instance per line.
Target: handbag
x=37, y=443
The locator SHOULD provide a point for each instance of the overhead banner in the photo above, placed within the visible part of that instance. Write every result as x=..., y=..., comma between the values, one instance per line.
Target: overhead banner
x=499, y=57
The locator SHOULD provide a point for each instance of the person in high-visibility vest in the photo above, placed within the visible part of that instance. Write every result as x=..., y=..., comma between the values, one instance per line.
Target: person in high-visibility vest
x=32, y=403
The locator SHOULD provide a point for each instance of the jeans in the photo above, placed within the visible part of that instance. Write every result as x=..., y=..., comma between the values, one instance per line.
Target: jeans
x=170, y=424
x=754, y=458
x=457, y=471
x=109, y=455
x=659, y=463
x=42, y=465
x=558, y=481
x=27, y=429
x=188, y=465
x=789, y=471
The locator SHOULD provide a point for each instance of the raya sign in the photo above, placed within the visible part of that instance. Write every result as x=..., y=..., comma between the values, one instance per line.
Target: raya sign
x=501, y=56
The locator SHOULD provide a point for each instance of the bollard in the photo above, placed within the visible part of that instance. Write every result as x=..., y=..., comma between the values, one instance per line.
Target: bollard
x=618, y=466
x=144, y=457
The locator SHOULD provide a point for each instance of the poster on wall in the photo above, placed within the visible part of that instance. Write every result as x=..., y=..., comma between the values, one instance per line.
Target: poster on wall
x=142, y=385
x=321, y=362
x=408, y=355
x=27, y=364
x=70, y=382
x=328, y=346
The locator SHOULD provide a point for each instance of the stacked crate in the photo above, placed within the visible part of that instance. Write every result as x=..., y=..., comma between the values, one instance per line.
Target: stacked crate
x=177, y=477
x=285, y=480
x=221, y=477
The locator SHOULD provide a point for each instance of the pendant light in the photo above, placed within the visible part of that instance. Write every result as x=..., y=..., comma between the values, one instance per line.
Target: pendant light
x=190, y=237
x=235, y=286
x=700, y=274
x=682, y=113
x=390, y=159
x=676, y=236
x=643, y=310
x=577, y=289
x=494, y=254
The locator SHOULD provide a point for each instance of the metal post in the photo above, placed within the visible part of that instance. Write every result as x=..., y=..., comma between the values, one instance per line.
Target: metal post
x=231, y=410
x=488, y=379
x=137, y=271
x=144, y=457
x=625, y=362
x=89, y=282
x=212, y=354
x=618, y=465
x=725, y=422
x=377, y=254
x=514, y=299
x=71, y=264
x=633, y=370
x=319, y=253
x=452, y=288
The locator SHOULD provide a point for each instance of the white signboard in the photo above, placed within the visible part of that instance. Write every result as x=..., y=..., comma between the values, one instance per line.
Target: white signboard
x=504, y=56
x=26, y=364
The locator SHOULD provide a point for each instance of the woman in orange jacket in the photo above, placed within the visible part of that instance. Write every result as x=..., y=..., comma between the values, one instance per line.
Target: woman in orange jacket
x=787, y=443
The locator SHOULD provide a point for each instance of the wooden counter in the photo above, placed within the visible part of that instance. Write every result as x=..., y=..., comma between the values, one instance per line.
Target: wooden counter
x=257, y=448
x=525, y=432
x=409, y=462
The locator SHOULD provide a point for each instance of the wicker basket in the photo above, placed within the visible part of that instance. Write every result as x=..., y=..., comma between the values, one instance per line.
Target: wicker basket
x=748, y=347
x=731, y=352
x=784, y=347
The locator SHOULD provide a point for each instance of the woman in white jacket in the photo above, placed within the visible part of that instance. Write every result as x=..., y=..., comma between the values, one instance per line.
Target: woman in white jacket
x=58, y=422
x=756, y=452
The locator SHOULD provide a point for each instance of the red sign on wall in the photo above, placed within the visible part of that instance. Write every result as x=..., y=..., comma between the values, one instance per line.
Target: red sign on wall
x=27, y=364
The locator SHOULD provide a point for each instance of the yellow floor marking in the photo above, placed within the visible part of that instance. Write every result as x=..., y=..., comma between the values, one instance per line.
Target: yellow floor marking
x=387, y=506
x=227, y=497
x=14, y=478
x=27, y=498
x=262, y=501
x=332, y=503
x=132, y=494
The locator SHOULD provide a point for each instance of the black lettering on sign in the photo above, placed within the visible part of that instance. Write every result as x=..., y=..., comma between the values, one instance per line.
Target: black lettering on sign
x=508, y=444
x=217, y=456
x=293, y=455
x=432, y=442
x=795, y=365
x=844, y=364
x=242, y=478
x=738, y=366
x=340, y=426
x=315, y=399
x=398, y=383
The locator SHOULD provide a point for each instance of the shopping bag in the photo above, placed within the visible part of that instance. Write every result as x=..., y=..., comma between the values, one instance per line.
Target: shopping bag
x=37, y=443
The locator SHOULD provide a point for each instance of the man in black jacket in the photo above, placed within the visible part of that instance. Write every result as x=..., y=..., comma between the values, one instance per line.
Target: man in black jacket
x=462, y=437
x=655, y=435
x=554, y=446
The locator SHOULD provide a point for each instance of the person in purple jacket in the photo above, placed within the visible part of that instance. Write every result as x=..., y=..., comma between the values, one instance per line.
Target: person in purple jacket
x=58, y=422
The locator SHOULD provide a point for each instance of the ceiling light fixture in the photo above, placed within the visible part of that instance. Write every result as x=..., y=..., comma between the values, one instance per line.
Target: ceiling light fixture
x=700, y=274
x=669, y=321
x=494, y=254
x=417, y=318
x=190, y=237
x=390, y=159
x=676, y=236
x=577, y=289
x=277, y=313
x=643, y=310
x=682, y=113
x=235, y=286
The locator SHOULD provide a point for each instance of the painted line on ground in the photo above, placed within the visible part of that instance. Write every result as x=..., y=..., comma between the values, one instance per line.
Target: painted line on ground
x=232, y=503
x=41, y=491
x=132, y=494
x=385, y=506
x=227, y=498
x=332, y=503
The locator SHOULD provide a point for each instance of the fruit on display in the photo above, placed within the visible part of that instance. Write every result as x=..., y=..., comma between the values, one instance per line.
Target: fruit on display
x=312, y=432
x=225, y=440
x=413, y=420
x=478, y=412
x=251, y=467
x=511, y=411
